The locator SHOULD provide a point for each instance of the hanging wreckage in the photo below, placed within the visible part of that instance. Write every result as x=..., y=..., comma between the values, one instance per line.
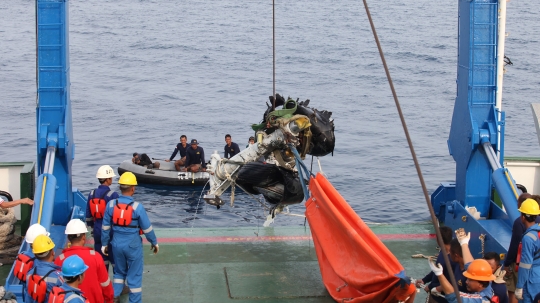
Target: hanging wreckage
x=268, y=166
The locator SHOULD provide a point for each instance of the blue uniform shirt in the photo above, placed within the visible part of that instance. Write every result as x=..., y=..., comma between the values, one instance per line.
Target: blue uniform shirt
x=232, y=150
x=518, y=229
x=52, y=280
x=73, y=295
x=139, y=221
x=500, y=291
x=477, y=297
x=195, y=156
x=529, y=265
x=103, y=191
x=181, y=149
x=460, y=278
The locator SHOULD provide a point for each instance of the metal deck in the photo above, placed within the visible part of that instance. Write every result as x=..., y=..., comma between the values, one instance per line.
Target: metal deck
x=236, y=265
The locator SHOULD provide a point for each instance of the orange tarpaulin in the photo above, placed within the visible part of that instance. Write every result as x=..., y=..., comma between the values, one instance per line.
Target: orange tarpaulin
x=355, y=265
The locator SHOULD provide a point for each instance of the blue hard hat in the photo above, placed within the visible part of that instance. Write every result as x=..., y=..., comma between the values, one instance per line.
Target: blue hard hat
x=73, y=266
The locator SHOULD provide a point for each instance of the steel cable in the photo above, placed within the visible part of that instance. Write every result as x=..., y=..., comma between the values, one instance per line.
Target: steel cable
x=413, y=153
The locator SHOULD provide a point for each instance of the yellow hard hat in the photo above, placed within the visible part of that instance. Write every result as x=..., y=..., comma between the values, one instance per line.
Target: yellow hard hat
x=127, y=178
x=530, y=207
x=42, y=244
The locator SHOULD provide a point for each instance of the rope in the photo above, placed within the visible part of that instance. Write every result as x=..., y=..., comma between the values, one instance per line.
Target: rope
x=9, y=242
x=413, y=153
x=198, y=202
x=273, y=55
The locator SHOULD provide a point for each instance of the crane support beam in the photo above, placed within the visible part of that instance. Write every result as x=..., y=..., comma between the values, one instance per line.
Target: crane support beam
x=476, y=138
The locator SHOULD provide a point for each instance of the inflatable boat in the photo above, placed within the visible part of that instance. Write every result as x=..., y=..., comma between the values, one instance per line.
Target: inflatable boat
x=166, y=174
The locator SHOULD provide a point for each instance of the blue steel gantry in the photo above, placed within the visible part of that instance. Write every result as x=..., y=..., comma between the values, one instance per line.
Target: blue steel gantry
x=56, y=201
x=477, y=132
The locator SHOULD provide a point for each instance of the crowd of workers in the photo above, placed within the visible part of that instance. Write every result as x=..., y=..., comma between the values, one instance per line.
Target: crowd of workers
x=79, y=273
x=487, y=280
x=191, y=156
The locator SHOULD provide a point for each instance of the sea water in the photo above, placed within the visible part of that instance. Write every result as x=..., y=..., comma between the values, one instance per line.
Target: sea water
x=145, y=72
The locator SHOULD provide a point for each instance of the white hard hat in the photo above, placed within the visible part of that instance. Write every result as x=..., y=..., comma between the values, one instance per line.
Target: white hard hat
x=105, y=172
x=75, y=227
x=34, y=231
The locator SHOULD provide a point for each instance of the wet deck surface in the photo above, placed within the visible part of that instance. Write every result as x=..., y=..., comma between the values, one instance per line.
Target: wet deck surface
x=237, y=265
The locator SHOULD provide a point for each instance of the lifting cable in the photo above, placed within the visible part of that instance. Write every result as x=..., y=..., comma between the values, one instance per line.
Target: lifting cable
x=413, y=153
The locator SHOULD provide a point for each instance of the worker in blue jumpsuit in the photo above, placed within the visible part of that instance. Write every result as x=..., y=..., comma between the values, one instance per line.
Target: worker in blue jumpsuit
x=44, y=268
x=478, y=273
x=94, y=219
x=73, y=270
x=528, y=284
x=126, y=217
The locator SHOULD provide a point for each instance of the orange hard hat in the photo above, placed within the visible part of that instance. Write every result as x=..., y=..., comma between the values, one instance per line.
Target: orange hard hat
x=479, y=270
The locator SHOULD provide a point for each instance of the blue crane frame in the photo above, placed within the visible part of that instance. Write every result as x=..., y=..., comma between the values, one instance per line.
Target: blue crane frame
x=56, y=201
x=474, y=137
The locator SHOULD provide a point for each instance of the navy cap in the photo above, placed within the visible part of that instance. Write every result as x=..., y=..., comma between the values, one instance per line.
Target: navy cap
x=194, y=141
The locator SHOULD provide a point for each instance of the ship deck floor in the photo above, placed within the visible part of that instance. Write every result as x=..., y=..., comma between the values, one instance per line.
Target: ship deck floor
x=237, y=265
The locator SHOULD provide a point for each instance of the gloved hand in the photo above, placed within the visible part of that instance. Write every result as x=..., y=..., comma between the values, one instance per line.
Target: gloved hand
x=435, y=268
x=519, y=293
x=462, y=236
x=105, y=250
x=435, y=292
x=500, y=273
x=155, y=248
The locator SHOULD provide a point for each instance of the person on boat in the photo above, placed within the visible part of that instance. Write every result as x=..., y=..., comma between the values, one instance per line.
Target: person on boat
x=478, y=273
x=44, y=271
x=95, y=208
x=251, y=141
x=434, y=289
x=97, y=286
x=498, y=285
x=195, y=158
x=528, y=282
x=8, y=204
x=518, y=229
x=182, y=149
x=144, y=160
x=75, y=272
x=230, y=148
x=126, y=218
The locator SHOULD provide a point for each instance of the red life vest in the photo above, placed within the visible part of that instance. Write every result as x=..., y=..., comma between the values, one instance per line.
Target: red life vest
x=98, y=205
x=520, y=248
x=37, y=287
x=123, y=215
x=22, y=266
x=58, y=295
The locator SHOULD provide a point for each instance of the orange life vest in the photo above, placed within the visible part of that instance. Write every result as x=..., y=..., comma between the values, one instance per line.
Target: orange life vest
x=22, y=266
x=98, y=205
x=520, y=248
x=37, y=287
x=123, y=215
x=58, y=295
